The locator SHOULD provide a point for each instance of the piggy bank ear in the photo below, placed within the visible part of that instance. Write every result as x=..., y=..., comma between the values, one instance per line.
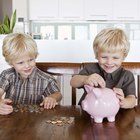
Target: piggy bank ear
x=88, y=88
x=97, y=92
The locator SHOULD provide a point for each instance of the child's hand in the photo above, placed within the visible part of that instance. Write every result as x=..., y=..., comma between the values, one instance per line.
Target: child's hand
x=5, y=107
x=49, y=103
x=95, y=80
x=125, y=102
x=120, y=96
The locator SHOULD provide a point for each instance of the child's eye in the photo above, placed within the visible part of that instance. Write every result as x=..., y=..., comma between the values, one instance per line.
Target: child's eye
x=31, y=59
x=20, y=63
x=115, y=57
x=104, y=56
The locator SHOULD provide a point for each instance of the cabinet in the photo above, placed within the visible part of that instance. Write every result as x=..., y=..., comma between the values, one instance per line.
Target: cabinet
x=55, y=9
x=71, y=9
x=21, y=7
x=98, y=9
x=125, y=9
x=43, y=9
x=139, y=10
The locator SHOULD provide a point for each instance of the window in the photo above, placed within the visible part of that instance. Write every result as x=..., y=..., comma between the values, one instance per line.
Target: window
x=80, y=31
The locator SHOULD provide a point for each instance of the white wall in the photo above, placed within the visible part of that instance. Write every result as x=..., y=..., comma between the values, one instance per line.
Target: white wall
x=134, y=54
x=65, y=51
x=76, y=51
x=3, y=64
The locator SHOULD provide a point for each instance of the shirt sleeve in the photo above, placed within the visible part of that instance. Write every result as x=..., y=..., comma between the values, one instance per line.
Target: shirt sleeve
x=4, y=82
x=52, y=86
x=129, y=87
x=90, y=69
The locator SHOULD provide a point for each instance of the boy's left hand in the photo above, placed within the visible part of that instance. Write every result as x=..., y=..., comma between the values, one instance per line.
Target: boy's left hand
x=125, y=102
x=120, y=95
x=49, y=103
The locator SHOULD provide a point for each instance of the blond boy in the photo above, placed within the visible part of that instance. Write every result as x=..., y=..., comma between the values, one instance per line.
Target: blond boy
x=111, y=47
x=24, y=83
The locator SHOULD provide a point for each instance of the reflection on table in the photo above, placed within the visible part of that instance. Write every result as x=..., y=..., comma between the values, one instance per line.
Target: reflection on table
x=68, y=123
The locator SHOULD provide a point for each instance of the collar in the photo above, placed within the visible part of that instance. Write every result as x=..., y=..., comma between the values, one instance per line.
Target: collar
x=112, y=75
x=31, y=77
x=116, y=73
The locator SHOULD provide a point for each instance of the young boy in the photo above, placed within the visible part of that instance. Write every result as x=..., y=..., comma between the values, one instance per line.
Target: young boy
x=24, y=83
x=111, y=47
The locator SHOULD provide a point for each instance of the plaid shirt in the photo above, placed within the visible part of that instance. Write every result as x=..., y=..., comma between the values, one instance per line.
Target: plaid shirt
x=29, y=91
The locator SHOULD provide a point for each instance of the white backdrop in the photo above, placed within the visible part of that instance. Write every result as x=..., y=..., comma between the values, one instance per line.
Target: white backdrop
x=76, y=51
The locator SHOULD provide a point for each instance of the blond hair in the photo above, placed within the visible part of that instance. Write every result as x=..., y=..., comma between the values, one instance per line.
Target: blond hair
x=16, y=44
x=111, y=40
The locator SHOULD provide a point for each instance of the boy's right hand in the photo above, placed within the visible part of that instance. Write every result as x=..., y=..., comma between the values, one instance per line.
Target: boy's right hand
x=5, y=107
x=95, y=80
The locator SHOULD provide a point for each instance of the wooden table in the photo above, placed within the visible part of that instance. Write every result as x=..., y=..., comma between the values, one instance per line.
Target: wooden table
x=69, y=123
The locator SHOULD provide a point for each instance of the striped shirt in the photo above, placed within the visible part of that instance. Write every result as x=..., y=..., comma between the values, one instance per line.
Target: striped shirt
x=30, y=90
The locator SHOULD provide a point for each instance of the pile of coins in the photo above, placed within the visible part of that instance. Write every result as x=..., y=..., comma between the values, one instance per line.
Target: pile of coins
x=61, y=121
x=27, y=108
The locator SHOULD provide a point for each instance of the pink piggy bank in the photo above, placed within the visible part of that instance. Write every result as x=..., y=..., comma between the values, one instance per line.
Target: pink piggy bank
x=101, y=103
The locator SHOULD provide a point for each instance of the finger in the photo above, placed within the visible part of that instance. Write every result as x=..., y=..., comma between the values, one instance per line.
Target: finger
x=54, y=104
x=120, y=94
x=120, y=97
x=95, y=83
x=6, y=106
x=51, y=104
x=7, y=101
x=47, y=104
x=5, y=111
x=117, y=90
x=41, y=104
x=102, y=84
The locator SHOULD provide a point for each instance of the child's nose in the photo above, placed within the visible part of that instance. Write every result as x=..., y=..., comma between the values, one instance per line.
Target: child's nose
x=27, y=64
x=109, y=61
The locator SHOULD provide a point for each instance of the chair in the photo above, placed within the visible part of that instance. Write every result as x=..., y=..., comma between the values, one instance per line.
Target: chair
x=61, y=69
x=134, y=67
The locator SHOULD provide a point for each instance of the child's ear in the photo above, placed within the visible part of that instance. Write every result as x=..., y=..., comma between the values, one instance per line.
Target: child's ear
x=10, y=64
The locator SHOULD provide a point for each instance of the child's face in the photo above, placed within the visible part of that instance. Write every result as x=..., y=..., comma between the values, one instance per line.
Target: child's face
x=24, y=65
x=110, y=62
